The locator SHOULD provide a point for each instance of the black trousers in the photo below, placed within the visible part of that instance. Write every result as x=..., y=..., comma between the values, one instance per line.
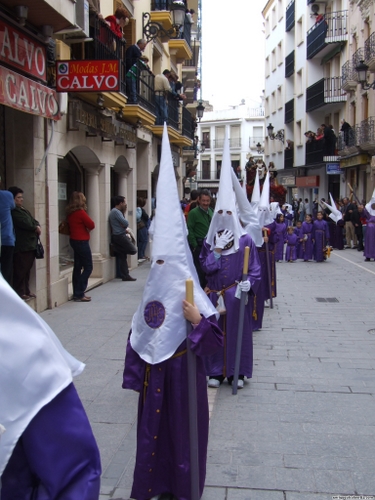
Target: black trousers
x=123, y=247
x=6, y=263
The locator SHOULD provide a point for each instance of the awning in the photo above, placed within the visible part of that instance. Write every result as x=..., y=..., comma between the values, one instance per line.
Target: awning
x=332, y=54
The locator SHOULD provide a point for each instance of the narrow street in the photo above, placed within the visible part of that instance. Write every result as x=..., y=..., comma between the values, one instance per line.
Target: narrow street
x=302, y=429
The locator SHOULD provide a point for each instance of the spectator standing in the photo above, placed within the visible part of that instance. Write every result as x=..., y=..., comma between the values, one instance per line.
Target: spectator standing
x=350, y=236
x=329, y=140
x=120, y=238
x=162, y=89
x=134, y=52
x=7, y=235
x=132, y=78
x=369, y=211
x=142, y=229
x=117, y=21
x=346, y=132
x=301, y=210
x=27, y=230
x=357, y=217
x=198, y=222
x=193, y=202
x=80, y=225
x=307, y=207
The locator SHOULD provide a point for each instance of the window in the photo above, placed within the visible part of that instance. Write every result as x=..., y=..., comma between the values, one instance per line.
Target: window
x=218, y=169
x=280, y=100
x=266, y=107
x=280, y=9
x=299, y=86
x=274, y=18
x=267, y=27
x=298, y=134
x=267, y=66
x=279, y=55
x=206, y=139
x=273, y=60
x=206, y=169
x=299, y=31
x=273, y=102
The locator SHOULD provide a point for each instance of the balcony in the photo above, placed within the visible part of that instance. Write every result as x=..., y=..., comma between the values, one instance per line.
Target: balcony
x=289, y=64
x=187, y=124
x=208, y=175
x=181, y=47
x=290, y=16
x=323, y=92
x=332, y=29
x=289, y=111
x=349, y=76
x=289, y=158
x=370, y=52
x=314, y=152
x=218, y=143
x=348, y=143
x=366, y=138
x=180, y=130
x=160, y=13
x=235, y=142
x=254, y=141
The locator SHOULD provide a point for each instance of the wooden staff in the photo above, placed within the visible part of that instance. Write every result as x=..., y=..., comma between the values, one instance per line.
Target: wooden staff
x=355, y=196
x=240, y=323
x=192, y=399
x=265, y=234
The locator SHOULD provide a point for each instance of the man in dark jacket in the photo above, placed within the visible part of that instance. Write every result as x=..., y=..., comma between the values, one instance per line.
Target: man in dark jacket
x=350, y=236
x=134, y=52
x=329, y=140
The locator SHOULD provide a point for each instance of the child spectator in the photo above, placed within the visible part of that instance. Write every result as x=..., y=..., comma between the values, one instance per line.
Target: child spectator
x=281, y=231
x=298, y=231
x=291, y=245
x=320, y=237
x=307, y=243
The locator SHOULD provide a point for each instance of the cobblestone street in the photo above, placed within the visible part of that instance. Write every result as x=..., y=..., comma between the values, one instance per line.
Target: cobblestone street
x=302, y=429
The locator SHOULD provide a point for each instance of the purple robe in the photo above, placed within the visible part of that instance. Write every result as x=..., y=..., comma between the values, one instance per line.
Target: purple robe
x=336, y=236
x=281, y=231
x=307, y=245
x=369, y=251
x=299, y=248
x=291, y=247
x=222, y=274
x=163, y=449
x=57, y=456
x=263, y=292
x=320, y=237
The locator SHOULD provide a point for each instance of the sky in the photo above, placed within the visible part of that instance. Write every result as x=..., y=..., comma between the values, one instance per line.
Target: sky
x=232, y=52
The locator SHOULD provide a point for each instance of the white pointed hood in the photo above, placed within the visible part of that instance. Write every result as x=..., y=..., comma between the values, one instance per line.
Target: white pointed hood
x=370, y=210
x=158, y=326
x=335, y=214
x=34, y=367
x=264, y=215
x=247, y=215
x=226, y=202
x=255, y=197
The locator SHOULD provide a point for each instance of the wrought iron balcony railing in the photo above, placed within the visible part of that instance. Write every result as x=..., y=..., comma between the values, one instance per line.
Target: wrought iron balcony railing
x=348, y=139
x=187, y=124
x=290, y=16
x=289, y=158
x=208, y=175
x=140, y=86
x=160, y=4
x=314, y=152
x=255, y=140
x=218, y=143
x=289, y=111
x=370, y=52
x=324, y=91
x=289, y=64
x=367, y=134
x=235, y=142
x=168, y=108
x=349, y=76
x=331, y=28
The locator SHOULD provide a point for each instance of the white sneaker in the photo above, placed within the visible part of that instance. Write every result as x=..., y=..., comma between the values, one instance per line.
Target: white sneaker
x=141, y=260
x=240, y=384
x=213, y=383
x=267, y=303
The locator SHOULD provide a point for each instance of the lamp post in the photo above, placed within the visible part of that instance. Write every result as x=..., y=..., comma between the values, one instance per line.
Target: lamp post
x=362, y=69
x=200, y=110
x=279, y=134
x=152, y=29
x=260, y=150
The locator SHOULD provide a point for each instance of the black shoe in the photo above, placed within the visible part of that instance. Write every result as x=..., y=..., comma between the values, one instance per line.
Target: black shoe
x=367, y=260
x=129, y=278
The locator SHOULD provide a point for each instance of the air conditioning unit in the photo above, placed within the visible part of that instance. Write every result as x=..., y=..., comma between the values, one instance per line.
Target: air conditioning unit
x=82, y=16
x=317, y=7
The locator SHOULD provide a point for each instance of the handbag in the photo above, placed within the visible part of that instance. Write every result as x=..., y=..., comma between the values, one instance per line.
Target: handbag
x=39, y=251
x=64, y=228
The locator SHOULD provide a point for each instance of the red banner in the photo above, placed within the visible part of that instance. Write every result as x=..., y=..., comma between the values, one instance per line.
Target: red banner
x=22, y=52
x=87, y=76
x=309, y=181
x=24, y=94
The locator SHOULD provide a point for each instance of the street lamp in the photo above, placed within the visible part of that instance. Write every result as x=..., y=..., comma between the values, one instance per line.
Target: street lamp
x=200, y=110
x=362, y=69
x=279, y=134
x=260, y=150
x=153, y=29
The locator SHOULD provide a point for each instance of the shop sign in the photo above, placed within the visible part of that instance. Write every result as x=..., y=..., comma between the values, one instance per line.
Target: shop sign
x=87, y=76
x=333, y=168
x=287, y=180
x=22, y=52
x=308, y=181
x=96, y=123
x=26, y=95
x=354, y=161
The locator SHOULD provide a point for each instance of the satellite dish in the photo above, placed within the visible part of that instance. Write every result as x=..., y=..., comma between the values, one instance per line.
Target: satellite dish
x=315, y=8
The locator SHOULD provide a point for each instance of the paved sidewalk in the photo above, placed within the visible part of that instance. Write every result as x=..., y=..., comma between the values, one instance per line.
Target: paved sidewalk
x=302, y=429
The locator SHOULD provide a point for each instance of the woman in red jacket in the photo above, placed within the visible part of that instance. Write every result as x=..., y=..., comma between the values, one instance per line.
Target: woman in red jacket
x=80, y=226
